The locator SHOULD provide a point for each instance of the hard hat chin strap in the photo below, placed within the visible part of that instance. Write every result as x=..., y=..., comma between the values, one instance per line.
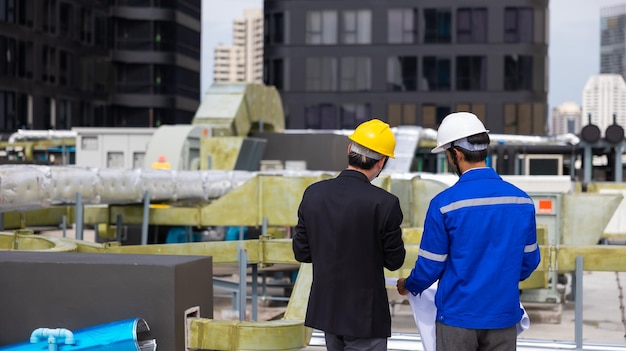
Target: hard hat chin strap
x=455, y=160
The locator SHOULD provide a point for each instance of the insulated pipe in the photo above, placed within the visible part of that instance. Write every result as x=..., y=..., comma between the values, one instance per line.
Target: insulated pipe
x=53, y=335
x=126, y=335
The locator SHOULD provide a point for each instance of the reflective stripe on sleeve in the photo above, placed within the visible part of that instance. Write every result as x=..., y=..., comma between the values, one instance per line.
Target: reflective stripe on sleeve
x=530, y=248
x=432, y=256
x=485, y=201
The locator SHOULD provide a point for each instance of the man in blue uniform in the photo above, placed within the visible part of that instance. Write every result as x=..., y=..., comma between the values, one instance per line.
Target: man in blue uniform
x=349, y=229
x=479, y=241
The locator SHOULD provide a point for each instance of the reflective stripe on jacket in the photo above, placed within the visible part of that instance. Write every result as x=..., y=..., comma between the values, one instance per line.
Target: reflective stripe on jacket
x=479, y=240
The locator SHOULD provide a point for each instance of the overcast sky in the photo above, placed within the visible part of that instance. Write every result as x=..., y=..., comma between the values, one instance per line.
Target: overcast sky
x=574, y=47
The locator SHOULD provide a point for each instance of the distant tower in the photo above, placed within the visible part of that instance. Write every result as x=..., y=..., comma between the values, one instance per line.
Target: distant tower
x=243, y=61
x=603, y=96
x=613, y=40
x=566, y=119
x=227, y=58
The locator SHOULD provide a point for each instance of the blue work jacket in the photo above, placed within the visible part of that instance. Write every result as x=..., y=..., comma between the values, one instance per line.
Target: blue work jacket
x=479, y=241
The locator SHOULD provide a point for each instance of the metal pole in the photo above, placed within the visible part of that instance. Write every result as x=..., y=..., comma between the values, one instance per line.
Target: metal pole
x=619, y=150
x=578, y=304
x=243, y=275
x=64, y=225
x=588, y=164
x=79, y=216
x=144, y=223
x=118, y=227
x=255, y=292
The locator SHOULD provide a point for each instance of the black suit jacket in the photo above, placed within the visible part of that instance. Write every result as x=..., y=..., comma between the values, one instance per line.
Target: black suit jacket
x=349, y=230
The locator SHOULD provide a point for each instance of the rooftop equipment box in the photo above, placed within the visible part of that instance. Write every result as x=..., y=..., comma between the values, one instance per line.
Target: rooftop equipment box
x=79, y=290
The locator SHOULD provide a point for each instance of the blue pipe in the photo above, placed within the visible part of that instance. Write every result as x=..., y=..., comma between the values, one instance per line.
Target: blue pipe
x=52, y=335
x=126, y=335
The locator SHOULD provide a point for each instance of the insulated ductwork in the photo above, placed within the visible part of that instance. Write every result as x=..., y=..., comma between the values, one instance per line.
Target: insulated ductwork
x=25, y=187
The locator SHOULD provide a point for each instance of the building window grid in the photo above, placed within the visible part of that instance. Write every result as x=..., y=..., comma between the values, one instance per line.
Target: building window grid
x=321, y=27
x=321, y=116
x=436, y=73
x=402, y=26
x=518, y=25
x=402, y=73
x=321, y=73
x=354, y=114
x=518, y=72
x=355, y=74
x=357, y=27
x=437, y=26
x=471, y=73
x=402, y=114
x=471, y=25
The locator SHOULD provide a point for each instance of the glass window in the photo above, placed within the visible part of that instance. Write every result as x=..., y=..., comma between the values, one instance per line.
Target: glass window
x=321, y=27
x=321, y=116
x=471, y=73
x=437, y=24
x=402, y=73
x=355, y=74
x=518, y=25
x=518, y=72
x=471, y=25
x=402, y=26
x=524, y=118
x=274, y=73
x=357, y=27
x=274, y=28
x=66, y=19
x=479, y=109
x=354, y=114
x=321, y=73
x=433, y=114
x=49, y=18
x=436, y=74
x=277, y=74
x=402, y=114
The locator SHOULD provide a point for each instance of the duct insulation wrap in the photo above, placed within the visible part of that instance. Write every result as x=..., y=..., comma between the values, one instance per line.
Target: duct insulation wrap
x=25, y=187
x=127, y=335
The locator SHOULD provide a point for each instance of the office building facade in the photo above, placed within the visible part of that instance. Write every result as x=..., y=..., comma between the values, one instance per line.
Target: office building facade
x=566, y=118
x=338, y=63
x=604, y=97
x=66, y=63
x=613, y=40
x=242, y=61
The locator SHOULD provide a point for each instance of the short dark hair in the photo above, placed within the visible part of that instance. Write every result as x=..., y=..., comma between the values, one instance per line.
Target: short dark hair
x=360, y=161
x=479, y=155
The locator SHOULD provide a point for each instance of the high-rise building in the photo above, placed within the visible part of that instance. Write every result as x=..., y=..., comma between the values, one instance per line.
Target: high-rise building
x=604, y=97
x=243, y=61
x=228, y=64
x=67, y=63
x=613, y=40
x=566, y=118
x=338, y=63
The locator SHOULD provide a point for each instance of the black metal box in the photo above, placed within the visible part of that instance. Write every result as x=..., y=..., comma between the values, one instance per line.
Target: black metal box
x=78, y=290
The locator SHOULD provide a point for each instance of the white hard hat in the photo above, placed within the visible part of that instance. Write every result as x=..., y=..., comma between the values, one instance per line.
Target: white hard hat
x=455, y=126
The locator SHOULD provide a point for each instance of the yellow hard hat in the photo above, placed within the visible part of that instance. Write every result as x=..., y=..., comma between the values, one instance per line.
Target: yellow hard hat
x=376, y=136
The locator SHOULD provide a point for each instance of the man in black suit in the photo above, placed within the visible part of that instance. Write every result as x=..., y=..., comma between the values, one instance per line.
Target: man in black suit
x=350, y=230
